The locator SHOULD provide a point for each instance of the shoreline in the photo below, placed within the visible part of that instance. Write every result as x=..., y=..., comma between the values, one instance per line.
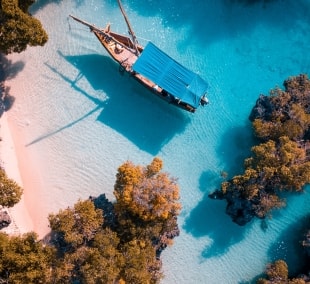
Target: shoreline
x=22, y=218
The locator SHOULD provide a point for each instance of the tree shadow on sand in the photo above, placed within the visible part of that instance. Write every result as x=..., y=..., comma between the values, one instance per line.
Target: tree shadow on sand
x=235, y=146
x=8, y=70
x=208, y=218
x=130, y=109
x=288, y=246
x=40, y=4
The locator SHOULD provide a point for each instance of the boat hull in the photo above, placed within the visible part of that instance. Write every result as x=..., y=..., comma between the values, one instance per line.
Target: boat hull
x=122, y=49
x=126, y=58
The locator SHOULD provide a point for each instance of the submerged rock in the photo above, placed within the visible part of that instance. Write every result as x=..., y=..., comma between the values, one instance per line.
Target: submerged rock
x=306, y=243
x=240, y=210
x=5, y=219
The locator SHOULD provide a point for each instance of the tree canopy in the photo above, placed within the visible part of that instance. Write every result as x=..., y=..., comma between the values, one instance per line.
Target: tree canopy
x=281, y=161
x=97, y=241
x=18, y=28
x=101, y=242
x=77, y=225
x=25, y=260
x=146, y=192
x=10, y=191
x=99, y=261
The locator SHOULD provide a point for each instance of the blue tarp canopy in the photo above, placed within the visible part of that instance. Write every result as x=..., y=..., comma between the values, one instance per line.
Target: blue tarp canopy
x=168, y=74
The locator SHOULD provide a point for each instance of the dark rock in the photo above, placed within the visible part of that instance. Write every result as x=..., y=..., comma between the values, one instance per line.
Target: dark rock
x=2, y=108
x=306, y=243
x=2, y=105
x=5, y=219
x=101, y=202
x=172, y=231
x=240, y=210
x=262, y=109
x=218, y=194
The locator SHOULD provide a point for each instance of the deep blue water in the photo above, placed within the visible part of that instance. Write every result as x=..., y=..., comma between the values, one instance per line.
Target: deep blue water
x=86, y=118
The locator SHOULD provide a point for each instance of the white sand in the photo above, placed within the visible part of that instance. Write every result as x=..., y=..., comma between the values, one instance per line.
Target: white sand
x=21, y=221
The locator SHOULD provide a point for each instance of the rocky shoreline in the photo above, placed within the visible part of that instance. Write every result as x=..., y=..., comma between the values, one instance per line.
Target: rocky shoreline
x=281, y=123
x=5, y=219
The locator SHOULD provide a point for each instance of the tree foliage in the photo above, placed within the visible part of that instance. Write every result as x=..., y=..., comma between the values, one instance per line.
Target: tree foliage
x=284, y=112
x=77, y=225
x=141, y=265
x=96, y=241
x=125, y=247
x=25, y=260
x=18, y=28
x=146, y=192
x=10, y=191
x=278, y=273
x=98, y=262
x=281, y=161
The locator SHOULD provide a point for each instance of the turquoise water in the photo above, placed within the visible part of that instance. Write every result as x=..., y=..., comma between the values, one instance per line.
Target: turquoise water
x=81, y=119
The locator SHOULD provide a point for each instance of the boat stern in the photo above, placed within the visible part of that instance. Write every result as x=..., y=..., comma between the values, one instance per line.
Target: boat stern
x=204, y=100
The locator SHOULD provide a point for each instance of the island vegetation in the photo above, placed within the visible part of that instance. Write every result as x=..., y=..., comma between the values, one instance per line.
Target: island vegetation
x=280, y=162
x=18, y=29
x=10, y=191
x=10, y=194
x=97, y=241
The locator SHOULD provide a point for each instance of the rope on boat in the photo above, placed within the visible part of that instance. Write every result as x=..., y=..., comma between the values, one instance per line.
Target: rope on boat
x=106, y=35
x=131, y=32
x=143, y=38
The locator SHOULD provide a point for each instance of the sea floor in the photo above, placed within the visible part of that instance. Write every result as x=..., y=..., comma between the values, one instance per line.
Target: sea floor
x=79, y=118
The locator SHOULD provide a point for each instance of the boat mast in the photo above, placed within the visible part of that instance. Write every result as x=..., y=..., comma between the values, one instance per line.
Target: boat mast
x=131, y=32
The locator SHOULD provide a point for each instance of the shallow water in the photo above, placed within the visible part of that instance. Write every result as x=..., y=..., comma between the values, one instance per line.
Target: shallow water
x=80, y=119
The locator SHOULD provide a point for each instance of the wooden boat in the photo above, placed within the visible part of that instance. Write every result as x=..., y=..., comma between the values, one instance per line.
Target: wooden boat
x=153, y=68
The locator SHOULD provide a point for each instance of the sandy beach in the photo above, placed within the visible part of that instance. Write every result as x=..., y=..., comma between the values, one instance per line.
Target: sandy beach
x=75, y=120
x=21, y=220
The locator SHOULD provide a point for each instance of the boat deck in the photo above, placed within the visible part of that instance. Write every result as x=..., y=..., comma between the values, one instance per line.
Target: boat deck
x=126, y=51
x=124, y=55
x=121, y=49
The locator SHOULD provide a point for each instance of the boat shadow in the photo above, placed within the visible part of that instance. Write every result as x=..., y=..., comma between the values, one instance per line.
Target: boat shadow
x=130, y=109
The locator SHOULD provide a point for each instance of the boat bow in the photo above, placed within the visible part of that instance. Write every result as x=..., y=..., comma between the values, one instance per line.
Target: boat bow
x=152, y=68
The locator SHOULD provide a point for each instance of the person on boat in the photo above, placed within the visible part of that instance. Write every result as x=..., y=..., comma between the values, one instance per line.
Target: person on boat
x=118, y=49
x=204, y=101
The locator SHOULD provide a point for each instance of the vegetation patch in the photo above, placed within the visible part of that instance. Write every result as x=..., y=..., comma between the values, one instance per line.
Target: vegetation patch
x=281, y=160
